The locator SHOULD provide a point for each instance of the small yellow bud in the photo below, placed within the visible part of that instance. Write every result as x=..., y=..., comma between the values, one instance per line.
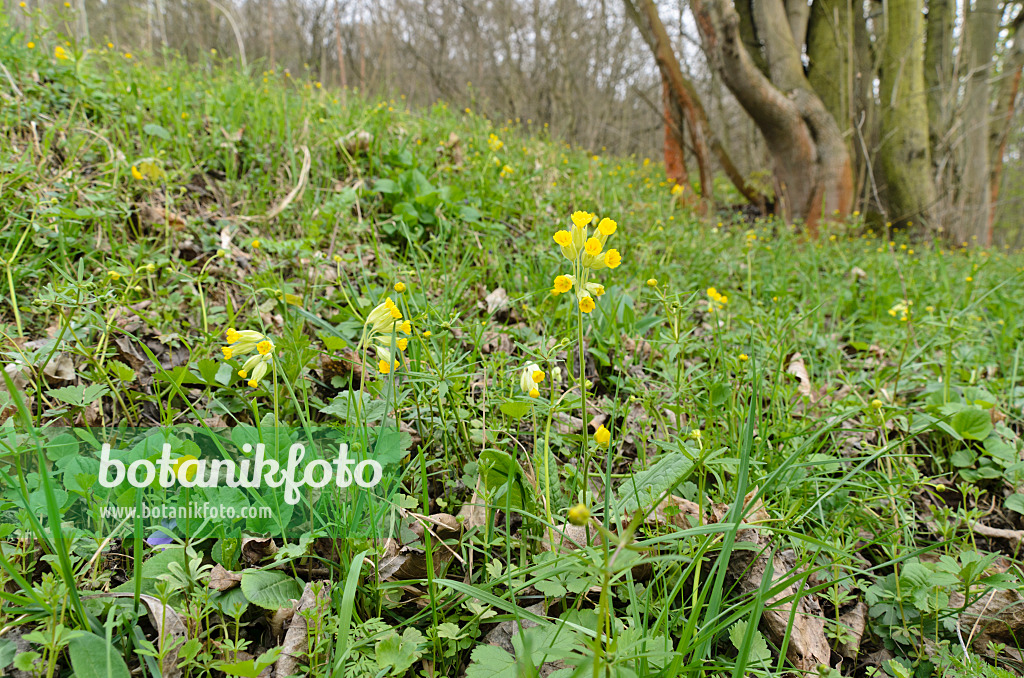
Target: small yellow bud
x=579, y=515
x=877, y=404
x=602, y=436
x=399, y=287
x=652, y=282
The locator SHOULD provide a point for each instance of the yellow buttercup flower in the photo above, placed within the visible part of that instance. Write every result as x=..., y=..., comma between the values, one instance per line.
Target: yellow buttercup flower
x=602, y=436
x=136, y=174
x=256, y=244
x=190, y=472
x=60, y=53
x=30, y=45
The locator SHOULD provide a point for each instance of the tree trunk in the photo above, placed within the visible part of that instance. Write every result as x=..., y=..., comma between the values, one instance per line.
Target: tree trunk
x=938, y=71
x=905, y=155
x=654, y=34
x=831, y=56
x=675, y=142
x=811, y=163
x=1009, y=88
x=975, y=191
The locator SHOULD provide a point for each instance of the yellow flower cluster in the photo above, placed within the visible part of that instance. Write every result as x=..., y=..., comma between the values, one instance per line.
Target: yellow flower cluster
x=587, y=253
x=495, y=143
x=60, y=53
x=381, y=324
x=901, y=309
x=245, y=342
x=531, y=377
x=716, y=301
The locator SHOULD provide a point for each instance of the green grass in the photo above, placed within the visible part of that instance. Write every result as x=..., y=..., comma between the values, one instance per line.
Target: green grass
x=875, y=436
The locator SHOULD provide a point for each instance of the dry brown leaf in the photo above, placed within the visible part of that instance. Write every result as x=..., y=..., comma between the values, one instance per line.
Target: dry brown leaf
x=355, y=142
x=808, y=646
x=797, y=368
x=1015, y=537
x=60, y=368
x=169, y=629
x=854, y=621
x=256, y=549
x=496, y=301
x=315, y=596
x=222, y=579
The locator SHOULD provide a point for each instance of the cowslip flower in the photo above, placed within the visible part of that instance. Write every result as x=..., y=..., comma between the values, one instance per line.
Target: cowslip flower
x=531, y=376
x=383, y=325
x=587, y=253
x=244, y=343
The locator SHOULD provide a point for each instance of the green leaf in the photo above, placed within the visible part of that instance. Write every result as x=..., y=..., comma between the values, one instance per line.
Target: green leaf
x=398, y=653
x=78, y=396
x=122, y=371
x=385, y=186
x=270, y=589
x=515, y=409
x=155, y=130
x=7, y=651
x=644, y=488
x=502, y=475
x=252, y=668
x=489, y=661
x=971, y=424
x=93, y=657
x=759, y=651
x=1015, y=502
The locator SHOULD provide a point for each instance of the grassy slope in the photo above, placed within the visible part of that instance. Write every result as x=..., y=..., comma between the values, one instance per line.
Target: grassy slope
x=844, y=480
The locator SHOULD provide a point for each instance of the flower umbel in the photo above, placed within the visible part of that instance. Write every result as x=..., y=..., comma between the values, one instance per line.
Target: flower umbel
x=587, y=253
x=244, y=343
x=531, y=376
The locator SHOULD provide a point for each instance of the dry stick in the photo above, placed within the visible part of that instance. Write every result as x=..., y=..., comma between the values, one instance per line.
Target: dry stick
x=307, y=162
x=234, y=27
x=14, y=86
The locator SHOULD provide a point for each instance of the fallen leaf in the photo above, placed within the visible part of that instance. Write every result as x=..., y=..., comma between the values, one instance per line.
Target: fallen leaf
x=797, y=368
x=315, y=596
x=222, y=579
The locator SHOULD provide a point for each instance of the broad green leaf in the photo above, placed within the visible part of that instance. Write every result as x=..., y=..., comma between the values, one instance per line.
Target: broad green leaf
x=644, y=488
x=270, y=589
x=93, y=657
x=155, y=130
x=514, y=409
x=971, y=424
x=489, y=661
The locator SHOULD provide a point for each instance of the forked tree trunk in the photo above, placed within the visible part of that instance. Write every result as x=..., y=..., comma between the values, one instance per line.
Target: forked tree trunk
x=905, y=154
x=811, y=162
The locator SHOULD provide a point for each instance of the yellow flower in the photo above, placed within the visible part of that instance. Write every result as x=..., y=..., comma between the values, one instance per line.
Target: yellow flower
x=563, y=284
x=969, y=279
x=595, y=289
x=264, y=347
x=582, y=219
x=877, y=404
x=593, y=247
x=494, y=142
x=578, y=515
x=606, y=226
x=384, y=367
x=613, y=258
x=337, y=258
x=136, y=174
x=190, y=473
x=587, y=304
x=602, y=436
x=127, y=55
x=652, y=282
x=30, y=45
x=227, y=352
x=405, y=327
x=60, y=53
x=676, y=189
x=113, y=275
x=256, y=244
x=563, y=238
x=743, y=357
x=399, y=287
x=427, y=334
x=110, y=45
x=529, y=378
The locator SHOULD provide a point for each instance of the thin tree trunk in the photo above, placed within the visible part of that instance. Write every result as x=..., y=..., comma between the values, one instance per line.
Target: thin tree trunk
x=675, y=141
x=982, y=32
x=938, y=70
x=905, y=155
x=338, y=49
x=999, y=131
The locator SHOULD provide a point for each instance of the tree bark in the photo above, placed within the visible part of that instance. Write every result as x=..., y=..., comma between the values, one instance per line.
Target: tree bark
x=811, y=162
x=938, y=71
x=831, y=55
x=975, y=190
x=675, y=141
x=905, y=155
x=653, y=31
x=1006, y=104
